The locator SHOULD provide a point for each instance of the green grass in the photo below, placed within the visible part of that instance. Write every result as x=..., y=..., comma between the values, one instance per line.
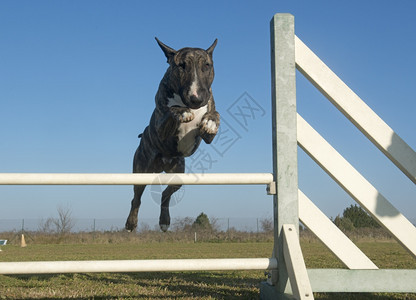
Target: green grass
x=174, y=285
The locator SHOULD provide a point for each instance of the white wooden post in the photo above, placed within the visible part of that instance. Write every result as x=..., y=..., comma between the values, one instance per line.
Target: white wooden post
x=285, y=170
x=295, y=264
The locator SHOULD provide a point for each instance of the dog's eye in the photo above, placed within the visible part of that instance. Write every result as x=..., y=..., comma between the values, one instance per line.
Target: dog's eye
x=182, y=65
x=206, y=67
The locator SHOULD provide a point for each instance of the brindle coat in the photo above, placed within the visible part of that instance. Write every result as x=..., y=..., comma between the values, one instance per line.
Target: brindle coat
x=184, y=114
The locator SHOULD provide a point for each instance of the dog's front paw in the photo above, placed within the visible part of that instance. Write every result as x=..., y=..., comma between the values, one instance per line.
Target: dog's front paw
x=186, y=116
x=209, y=126
x=208, y=129
x=183, y=115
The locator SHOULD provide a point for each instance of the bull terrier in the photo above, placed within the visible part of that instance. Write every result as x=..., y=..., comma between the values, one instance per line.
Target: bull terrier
x=184, y=115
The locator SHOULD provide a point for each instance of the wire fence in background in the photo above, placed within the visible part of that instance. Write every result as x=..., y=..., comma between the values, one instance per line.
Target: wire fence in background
x=254, y=225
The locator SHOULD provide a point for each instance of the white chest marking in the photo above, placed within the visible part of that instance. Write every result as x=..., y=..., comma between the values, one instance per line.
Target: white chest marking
x=187, y=132
x=186, y=128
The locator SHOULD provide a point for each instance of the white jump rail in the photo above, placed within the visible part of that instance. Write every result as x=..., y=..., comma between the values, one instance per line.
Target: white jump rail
x=135, y=179
x=54, y=267
x=157, y=265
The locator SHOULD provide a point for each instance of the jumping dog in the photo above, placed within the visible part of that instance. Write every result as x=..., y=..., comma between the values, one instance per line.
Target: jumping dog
x=184, y=115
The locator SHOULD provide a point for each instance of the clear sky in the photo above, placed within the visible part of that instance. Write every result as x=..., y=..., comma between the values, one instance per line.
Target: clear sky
x=78, y=79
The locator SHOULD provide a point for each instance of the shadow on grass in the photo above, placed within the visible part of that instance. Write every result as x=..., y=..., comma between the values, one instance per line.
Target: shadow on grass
x=167, y=285
x=158, y=285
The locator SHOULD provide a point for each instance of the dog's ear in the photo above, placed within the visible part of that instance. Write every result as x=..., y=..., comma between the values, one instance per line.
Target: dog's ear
x=169, y=52
x=211, y=48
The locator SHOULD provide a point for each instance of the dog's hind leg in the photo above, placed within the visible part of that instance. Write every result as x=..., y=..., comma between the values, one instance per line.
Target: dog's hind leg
x=145, y=161
x=164, y=219
x=131, y=223
x=176, y=166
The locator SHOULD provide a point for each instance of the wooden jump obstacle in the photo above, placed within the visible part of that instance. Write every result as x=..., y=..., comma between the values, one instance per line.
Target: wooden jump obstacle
x=289, y=277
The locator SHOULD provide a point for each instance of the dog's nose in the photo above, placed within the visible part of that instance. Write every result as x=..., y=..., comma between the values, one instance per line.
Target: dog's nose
x=195, y=99
x=194, y=93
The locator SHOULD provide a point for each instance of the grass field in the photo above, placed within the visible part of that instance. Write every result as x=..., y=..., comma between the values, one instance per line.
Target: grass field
x=174, y=285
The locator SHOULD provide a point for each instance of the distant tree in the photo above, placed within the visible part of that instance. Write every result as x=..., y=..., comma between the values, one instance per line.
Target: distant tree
x=182, y=224
x=344, y=224
x=202, y=222
x=359, y=218
x=355, y=217
x=215, y=226
x=266, y=225
x=45, y=226
x=64, y=222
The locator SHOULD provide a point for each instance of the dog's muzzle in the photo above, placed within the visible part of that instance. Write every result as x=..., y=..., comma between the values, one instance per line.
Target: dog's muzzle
x=199, y=100
x=196, y=102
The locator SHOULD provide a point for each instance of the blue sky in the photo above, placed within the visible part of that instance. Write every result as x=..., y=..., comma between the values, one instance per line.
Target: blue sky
x=78, y=79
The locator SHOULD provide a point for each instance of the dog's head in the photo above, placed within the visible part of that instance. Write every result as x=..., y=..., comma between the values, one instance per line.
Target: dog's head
x=190, y=73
